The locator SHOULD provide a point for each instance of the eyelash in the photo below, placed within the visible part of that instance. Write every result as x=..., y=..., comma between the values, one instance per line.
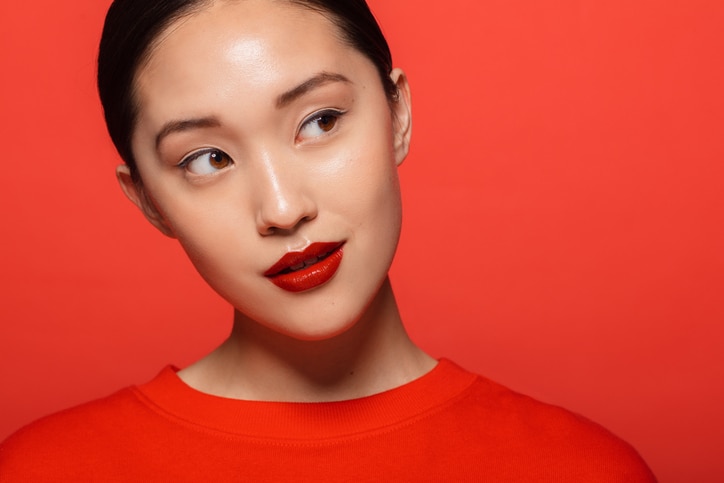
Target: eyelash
x=335, y=114
x=317, y=116
x=217, y=153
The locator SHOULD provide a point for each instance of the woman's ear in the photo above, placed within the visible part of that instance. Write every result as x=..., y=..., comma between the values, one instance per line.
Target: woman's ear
x=134, y=191
x=401, y=115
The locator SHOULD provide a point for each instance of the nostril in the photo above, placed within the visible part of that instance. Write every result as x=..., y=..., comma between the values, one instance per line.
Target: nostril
x=284, y=211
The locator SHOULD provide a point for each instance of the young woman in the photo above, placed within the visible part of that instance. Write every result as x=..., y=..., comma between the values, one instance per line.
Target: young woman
x=265, y=136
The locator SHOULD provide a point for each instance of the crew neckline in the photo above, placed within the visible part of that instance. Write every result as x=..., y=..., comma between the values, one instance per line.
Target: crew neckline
x=168, y=395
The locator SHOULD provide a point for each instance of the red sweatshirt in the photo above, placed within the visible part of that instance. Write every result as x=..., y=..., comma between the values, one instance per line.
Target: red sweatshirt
x=449, y=425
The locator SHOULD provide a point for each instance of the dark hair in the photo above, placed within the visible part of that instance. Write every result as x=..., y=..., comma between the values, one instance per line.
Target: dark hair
x=132, y=26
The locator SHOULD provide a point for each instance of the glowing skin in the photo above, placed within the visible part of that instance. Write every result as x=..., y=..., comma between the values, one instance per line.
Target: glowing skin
x=242, y=174
x=260, y=136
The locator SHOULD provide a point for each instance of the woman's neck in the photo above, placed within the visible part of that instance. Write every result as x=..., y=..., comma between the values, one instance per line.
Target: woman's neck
x=257, y=363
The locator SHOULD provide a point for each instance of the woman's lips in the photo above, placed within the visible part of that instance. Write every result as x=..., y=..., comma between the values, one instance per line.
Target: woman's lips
x=310, y=268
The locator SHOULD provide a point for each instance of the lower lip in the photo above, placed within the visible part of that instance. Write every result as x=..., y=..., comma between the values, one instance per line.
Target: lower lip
x=311, y=276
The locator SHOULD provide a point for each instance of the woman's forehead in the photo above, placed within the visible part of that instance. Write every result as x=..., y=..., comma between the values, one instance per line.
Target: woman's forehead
x=259, y=39
x=271, y=20
x=243, y=57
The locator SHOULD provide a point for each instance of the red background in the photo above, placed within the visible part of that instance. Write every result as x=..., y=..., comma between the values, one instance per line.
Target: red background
x=563, y=228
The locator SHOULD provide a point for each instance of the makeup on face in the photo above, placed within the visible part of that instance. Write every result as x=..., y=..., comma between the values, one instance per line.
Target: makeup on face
x=275, y=167
x=307, y=269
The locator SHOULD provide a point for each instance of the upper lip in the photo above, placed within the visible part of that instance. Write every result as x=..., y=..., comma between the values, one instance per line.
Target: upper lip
x=290, y=259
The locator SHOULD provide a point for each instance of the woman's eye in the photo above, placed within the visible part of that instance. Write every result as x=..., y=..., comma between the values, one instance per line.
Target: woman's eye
x=206, y=162
x=318, y=125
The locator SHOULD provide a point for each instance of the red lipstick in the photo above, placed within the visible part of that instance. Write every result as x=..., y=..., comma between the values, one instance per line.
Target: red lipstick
x=310, y=268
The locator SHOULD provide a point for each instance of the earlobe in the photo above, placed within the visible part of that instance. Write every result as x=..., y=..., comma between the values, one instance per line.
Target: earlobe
x=134, y=191
x=402, y=115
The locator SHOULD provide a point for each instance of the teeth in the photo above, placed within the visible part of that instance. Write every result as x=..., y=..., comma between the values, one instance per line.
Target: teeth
x=308, y=262
x=304, y=264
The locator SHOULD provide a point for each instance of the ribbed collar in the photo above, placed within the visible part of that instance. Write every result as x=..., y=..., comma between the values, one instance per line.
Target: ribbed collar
x=172, y=398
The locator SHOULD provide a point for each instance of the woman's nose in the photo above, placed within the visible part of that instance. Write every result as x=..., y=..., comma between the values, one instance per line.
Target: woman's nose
x=284, y=203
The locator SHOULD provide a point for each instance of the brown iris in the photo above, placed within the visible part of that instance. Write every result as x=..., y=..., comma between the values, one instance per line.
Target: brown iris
x=218, y=159
x=326, y=122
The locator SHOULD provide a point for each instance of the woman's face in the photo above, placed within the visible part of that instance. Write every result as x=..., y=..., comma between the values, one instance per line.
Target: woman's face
x=261, y=135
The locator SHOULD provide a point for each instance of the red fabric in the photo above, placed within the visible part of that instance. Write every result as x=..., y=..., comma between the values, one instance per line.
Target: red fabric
x=449, y=425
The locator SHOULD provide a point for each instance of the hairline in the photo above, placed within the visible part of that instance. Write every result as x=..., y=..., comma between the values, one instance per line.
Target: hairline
x=175, y=21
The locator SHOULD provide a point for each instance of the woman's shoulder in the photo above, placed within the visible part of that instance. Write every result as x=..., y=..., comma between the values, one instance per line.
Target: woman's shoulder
x=509, y=423
x=508, y=410
x=57, y=440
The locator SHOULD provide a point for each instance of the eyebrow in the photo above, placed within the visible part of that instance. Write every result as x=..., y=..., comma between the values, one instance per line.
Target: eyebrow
x=185, y=125
x=283, y=100
x=313, y=82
